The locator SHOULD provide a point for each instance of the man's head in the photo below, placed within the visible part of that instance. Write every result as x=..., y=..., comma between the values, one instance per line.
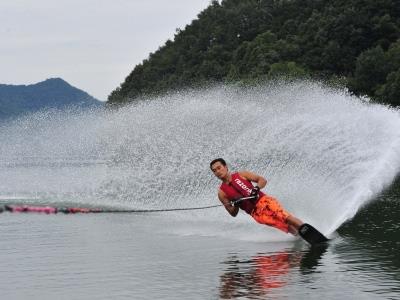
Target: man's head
x=219, y=168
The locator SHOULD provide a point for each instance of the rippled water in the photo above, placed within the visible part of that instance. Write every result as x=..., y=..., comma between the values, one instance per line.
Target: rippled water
x=330, y=159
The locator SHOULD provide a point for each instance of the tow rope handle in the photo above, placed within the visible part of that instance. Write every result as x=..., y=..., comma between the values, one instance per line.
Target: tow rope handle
x=243, y=199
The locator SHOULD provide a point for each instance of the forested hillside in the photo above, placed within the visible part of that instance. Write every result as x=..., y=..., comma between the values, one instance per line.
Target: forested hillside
x=357, y=41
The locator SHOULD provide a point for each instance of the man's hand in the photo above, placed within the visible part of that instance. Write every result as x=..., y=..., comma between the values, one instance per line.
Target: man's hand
x=254, y=192
x=232, y=210
x=235, y=203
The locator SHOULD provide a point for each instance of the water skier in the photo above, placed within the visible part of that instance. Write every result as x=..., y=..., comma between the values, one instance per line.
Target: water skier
x=263, y=208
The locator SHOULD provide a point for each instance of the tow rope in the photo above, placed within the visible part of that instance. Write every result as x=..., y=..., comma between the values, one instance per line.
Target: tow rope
x=74, y=210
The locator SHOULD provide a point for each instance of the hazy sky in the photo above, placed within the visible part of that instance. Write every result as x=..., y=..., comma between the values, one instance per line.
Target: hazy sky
x=92, y=44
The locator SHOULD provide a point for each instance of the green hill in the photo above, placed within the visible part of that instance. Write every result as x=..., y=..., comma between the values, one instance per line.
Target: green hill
x=357, y=41
x=55, y=93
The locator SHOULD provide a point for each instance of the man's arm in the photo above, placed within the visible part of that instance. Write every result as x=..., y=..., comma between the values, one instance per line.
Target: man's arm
x=232, y=210
x=260, y=181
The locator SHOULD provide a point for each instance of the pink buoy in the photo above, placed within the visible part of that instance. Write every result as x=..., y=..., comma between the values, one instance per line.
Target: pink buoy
x=27, y=208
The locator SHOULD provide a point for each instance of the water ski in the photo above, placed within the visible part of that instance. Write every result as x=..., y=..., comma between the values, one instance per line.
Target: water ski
x=311, y=235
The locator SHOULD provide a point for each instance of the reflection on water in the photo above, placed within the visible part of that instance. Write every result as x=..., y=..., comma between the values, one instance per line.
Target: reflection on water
x=311, y=259
x=257, y=277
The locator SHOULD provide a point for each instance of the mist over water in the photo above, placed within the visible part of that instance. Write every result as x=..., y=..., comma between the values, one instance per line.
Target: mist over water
x=323, y=152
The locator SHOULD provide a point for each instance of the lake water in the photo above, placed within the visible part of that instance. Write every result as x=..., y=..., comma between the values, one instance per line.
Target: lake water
x=331, y=159
x=147, y=256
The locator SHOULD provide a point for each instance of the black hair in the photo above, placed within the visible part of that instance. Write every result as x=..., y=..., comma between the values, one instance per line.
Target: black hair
x=221, y=160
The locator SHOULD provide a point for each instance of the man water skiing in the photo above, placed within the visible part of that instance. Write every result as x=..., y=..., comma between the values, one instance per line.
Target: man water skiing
x=263, y=208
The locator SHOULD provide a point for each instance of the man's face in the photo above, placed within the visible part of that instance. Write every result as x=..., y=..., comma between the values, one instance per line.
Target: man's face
x=219, y=170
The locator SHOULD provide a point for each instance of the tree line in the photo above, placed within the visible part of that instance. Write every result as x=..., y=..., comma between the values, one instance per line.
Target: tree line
x=355, y=41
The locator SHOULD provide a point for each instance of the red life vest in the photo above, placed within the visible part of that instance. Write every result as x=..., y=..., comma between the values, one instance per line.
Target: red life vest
x=238, y=188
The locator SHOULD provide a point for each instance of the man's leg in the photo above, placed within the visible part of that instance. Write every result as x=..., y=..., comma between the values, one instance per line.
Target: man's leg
x=268, y=211
x=294, y=224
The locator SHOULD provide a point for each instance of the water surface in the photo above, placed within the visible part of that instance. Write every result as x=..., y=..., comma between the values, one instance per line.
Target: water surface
x=330, y=158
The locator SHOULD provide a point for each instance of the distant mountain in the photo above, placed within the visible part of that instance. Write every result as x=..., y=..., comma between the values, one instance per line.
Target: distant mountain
x=51, y=93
